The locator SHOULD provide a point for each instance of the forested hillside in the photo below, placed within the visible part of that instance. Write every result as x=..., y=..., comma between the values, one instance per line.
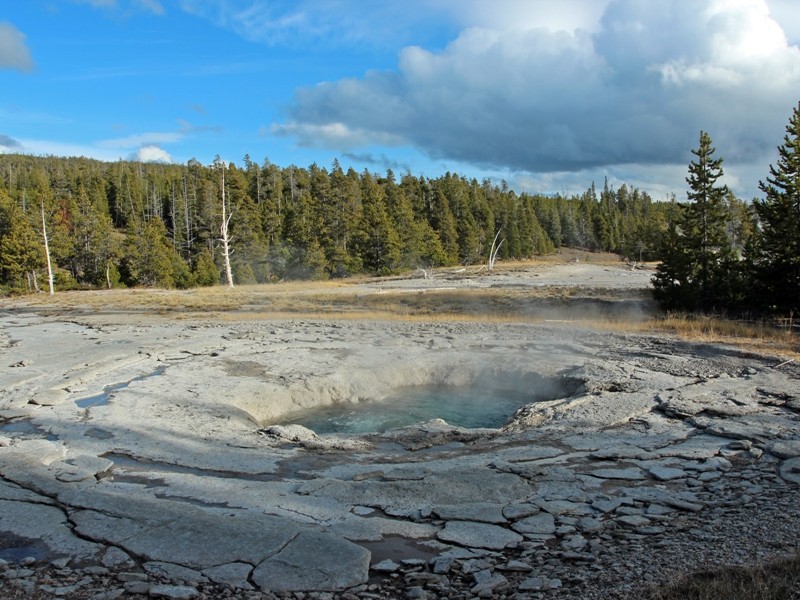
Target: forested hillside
x=145, y=224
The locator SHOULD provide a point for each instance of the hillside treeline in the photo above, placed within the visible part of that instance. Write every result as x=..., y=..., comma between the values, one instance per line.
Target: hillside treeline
x=143, y=224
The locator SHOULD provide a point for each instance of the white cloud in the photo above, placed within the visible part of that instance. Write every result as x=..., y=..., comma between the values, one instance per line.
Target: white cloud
x=635, y=90
x=153, y=6
x=98, y=3
x=355, y=21
x=38, y=147
x=9, y=144
x=304, y=22
x=142, y=139
x=564, y=15
x=14, y=53
x=742, y=41
x=787, y=13
x=336, y=135
x=151, y=154
x=186, y=128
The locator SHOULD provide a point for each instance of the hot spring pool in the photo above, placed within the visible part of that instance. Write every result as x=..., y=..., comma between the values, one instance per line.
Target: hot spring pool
x=470, y=407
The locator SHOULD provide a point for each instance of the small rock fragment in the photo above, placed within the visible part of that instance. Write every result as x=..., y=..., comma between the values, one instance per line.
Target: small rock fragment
x=385, y=566
x=790, y=470
x=173, y=592
x=666, y=473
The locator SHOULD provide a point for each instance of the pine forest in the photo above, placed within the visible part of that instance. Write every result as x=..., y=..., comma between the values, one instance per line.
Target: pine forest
x=148, y=224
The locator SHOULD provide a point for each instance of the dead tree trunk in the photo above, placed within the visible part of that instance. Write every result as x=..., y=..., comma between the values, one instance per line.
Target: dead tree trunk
x=225, y=237
x=494, y=250
x=186, y=215
x=29, y=276
x=47, y=253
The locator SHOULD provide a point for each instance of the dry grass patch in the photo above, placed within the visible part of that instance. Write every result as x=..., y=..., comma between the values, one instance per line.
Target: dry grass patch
x=332, y=298
x=775, y=580
x=762, y=337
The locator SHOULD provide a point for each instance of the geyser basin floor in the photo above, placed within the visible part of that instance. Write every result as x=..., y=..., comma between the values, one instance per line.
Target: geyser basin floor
x=103, y=397
x=469, y=407
x=675, y=456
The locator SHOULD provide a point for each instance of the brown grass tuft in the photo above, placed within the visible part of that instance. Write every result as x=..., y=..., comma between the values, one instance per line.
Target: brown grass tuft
x=775, y=580
x=759, y=336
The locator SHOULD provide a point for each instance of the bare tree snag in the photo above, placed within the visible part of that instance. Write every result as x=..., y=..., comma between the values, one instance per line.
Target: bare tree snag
x=494, y=250
x=47, y=253
x=225, y=237
x=187, y=223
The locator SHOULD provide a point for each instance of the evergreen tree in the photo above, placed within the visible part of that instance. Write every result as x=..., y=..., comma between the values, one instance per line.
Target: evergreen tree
x=91, y=240
x=341, y=215
x=315, y=262
x=778, y=254
x=568, y=225
x=585, y=222
x=377, y=241
x=205, y=272
x=705, y=224
x=444, y=224
x=272, y=205
x=484, y=217
x=606, y=221
x=21, y=248
x=698, y=261
x=149, y=258
x=549, y=219
x=248, y=243
x=673, y=286
x=408, y=229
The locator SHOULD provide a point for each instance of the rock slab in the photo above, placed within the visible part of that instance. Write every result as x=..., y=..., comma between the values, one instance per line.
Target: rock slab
x=478, y=535
x=314, y=562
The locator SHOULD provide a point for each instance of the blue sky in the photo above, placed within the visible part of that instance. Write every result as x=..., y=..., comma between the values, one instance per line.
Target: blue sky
x=547, y=95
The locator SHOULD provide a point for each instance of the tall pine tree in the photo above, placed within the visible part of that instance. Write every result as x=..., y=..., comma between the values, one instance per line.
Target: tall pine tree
x=777, y=268
x=698, y=256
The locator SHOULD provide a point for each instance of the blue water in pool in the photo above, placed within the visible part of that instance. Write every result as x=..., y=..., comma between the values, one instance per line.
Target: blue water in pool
x=462, y=406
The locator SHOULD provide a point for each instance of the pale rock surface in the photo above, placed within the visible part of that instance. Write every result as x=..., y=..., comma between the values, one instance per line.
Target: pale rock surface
x=314, y=561
x=482, y=512
x=172, y=592
x=630, y=473
x=666, y=473
x=790, y=470
x=185, y=535
x=233, y=574
x=176, y=473
x=478, y=535
x=540, y=524
x=785, y=448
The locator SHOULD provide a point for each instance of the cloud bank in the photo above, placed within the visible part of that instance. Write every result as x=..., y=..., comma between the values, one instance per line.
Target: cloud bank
x=14, y=53
x=634, y=90
x=8, y=143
